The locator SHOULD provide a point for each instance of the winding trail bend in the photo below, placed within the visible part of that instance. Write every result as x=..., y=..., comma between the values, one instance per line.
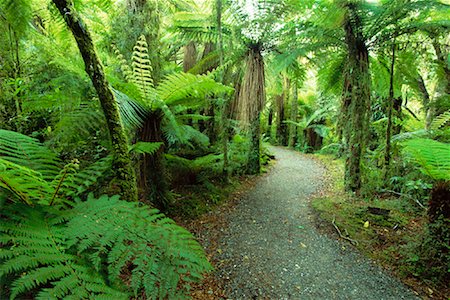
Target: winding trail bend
x=272, y=250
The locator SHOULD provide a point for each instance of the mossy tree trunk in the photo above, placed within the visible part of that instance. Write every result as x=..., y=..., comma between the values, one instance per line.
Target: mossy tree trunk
x=122, y=165
x=343, y=126
x=153, y=179
x=281, y=125
x=254, y=165
x=294, y=112
x=390, y=107
x=359, y=109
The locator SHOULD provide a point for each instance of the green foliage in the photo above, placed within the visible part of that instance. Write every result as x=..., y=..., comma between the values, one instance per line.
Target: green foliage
x=146, y=147
x=33, y=174
x=28, y=152
x=36, y=259
x=433, y=157
x=440, y=121
x=87, y=251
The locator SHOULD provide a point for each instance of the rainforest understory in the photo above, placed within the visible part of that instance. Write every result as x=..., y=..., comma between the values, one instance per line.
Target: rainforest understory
x=224, y=149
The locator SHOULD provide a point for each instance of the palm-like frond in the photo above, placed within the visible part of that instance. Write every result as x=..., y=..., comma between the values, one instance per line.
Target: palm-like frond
x=432, y=157
x=25, y=151
x=440, y=120
x=37, y=258
x=185, y=88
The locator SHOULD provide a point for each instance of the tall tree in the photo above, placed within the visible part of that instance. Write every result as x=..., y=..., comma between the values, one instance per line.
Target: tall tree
x=251, y=102
x=122, y=166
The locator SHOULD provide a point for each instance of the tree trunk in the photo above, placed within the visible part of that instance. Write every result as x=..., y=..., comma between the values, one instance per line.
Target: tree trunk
x=426, y=101
x=387, y=154
x=226, y=103
x=122, y=165
x=358, y=56
x=343, y=125
x=294, y=112
x=153, y=181
x=251, y=101
x=189, y=60
x=281, y=125
x=190, y=56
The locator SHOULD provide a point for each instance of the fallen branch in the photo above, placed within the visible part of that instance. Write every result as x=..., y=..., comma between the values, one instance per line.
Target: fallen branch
x=354, y=242
x=403, y=195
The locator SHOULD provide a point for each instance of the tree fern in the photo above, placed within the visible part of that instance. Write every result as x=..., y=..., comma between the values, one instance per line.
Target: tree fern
x=432, y=157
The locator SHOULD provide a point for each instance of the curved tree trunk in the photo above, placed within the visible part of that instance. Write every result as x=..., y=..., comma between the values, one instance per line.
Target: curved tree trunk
x=122, y=166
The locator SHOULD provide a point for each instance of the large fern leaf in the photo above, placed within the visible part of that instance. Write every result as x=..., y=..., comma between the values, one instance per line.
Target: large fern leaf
x=185, y=88
x=26, y=151
x=23, y=183
x=441, y=120
x=36, y=258
x=433, y=157
x=161, y=256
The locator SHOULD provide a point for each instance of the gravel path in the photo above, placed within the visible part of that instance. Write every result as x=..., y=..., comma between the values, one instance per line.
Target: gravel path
x=271, y=249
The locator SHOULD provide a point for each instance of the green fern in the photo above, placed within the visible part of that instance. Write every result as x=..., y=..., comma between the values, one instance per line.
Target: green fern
x=33, y=174
x=146, y=147
x=161, y=256
x=441, y=120
x=62, y=254
x=433, y=157
x=185, y=88
x=24, y=184
x=36, y=257
x=29, y=152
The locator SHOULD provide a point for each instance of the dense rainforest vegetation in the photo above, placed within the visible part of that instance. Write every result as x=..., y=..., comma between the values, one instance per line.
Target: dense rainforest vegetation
x=115, y=115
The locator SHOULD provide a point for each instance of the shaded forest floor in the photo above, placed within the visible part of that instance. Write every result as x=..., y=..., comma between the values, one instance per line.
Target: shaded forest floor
x=265, y=243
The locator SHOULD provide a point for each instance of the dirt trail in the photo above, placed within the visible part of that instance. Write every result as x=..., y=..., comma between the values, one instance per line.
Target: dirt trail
x=270, y=248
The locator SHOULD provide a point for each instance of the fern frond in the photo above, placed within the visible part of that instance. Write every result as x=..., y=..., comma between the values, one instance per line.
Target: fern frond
x=142, y=68
x=28, y=152
x=433, y=157
x=83, y=180
x=162, y=254
x=44, y=265
x=146, y=147
x=183, y=88
x=23, y=183
x=440, y=120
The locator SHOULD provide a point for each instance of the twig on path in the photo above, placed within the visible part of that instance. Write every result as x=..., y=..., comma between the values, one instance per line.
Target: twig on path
x=354, y=242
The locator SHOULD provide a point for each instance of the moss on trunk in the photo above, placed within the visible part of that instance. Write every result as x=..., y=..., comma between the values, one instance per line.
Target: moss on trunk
x=153, y=180
x=359, y=106
x=125, y=179
x=294, y=112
